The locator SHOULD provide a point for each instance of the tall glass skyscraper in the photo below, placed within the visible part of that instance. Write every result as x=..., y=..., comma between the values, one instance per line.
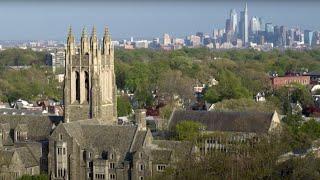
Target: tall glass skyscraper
x=233, y=20
x=308, y=35
x=244, y=26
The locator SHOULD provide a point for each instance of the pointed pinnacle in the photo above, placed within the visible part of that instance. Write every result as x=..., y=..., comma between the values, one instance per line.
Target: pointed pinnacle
x=84, y=32
x=106, y=31
x=70, y=31
x=94, y=31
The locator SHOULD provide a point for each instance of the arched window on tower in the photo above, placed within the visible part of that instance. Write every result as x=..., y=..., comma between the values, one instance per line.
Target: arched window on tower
x=77, y=86
x=109, y=49
x=87, y=85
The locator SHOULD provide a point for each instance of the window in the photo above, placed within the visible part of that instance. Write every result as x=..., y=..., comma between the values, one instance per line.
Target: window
x=161, y=168
x=141, y=167
x=141, y=178
x=111, y=156
x=64, y=151
x=62, y=172
x=112, y=176
x=111, y=166
x=60, y=137
x=100, y=176
x=87, y=85
x=77, y=86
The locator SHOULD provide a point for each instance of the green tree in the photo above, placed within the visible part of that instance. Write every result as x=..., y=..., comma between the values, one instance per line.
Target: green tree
x=312, y=128
x=188, y=130
x=35, y=177
x=212, y=95
x=123, y=106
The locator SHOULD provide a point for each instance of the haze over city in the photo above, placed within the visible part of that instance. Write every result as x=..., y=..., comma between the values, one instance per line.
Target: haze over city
x=142, y=19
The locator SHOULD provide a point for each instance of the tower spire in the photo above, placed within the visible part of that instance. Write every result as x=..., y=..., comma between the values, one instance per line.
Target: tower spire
x=106, y=31
x=94, y=31
x=84, y=32
x=246, y=8
x=70, y=31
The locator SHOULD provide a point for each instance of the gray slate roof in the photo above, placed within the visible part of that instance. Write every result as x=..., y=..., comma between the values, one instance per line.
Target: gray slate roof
x=24, y=153
x=28, y=159
x=99, y=138
x=39, y=127
x=256, y=122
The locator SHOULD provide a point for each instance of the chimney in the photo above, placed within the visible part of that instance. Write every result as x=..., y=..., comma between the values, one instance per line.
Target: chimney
x=140, y=119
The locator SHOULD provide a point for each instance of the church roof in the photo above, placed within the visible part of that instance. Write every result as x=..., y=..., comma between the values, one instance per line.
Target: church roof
x=38, y=127
x=99, y=137
x=180, y=149
x=24, y=153
x=5, y=157
x=255, y=122
x=139, y=140
x=161, y=155
x=28, y=159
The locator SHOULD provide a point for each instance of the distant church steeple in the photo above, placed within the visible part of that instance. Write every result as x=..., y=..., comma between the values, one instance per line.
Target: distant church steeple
x=89, y=90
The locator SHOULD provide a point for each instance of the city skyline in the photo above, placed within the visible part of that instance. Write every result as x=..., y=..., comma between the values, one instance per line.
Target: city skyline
x=30, y=21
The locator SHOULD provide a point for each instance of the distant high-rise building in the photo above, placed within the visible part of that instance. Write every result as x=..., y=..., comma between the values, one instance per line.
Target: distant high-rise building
x=261, y=21
x=290, y=37
x=215, y=33
x=308, y=35
x=228, y=26
x=254, y=25
x=283, y=36
x=277, y=36
x=233, y=20
x=244, y=34
x=315, y=39
x=269, y=28
x=166, y=40
x=200, y=34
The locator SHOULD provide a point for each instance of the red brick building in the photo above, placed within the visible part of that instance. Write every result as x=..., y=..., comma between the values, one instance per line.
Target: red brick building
x=280, y=81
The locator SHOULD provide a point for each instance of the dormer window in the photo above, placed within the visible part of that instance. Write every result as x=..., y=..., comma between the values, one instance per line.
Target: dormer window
x=161, y=167
x=60, y=137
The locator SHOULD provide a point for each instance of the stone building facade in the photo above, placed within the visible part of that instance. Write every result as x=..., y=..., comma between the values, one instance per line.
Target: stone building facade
x=90, y=91
x=86, y=143
x=90, y=144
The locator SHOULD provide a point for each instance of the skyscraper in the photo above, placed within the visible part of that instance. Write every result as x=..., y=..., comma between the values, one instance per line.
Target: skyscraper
x=244, y=26
x=166, y=40
x=269, y=32
x=228, y=26
x=233, y=20
x=254, y=25
x=308, y=35
x=261, y=21
x=283, y=35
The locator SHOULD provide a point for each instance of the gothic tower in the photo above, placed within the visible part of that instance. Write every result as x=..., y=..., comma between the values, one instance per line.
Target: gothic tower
x=89, y=86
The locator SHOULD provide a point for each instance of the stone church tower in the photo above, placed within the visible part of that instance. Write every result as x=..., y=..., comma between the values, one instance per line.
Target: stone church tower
x=89, y=89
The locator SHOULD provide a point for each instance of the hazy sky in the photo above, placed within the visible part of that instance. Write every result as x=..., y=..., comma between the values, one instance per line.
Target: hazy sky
x=49, y=19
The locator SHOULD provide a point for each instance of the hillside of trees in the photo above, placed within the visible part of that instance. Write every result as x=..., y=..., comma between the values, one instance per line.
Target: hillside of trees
x=33, y=83
x=21, y=57
x=241, y=75
x=152, y=75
